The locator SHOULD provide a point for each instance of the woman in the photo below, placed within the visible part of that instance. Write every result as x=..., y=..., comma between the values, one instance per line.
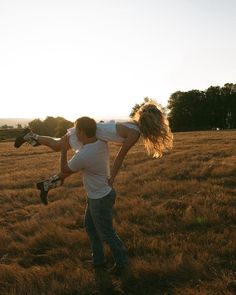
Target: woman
x=149, y=122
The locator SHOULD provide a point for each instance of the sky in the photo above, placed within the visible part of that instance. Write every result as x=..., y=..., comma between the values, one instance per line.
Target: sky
x=99, y=58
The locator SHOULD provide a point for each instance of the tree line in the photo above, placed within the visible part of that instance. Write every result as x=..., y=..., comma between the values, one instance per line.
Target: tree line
x=55, y=127
x=193, y=110
x=203, y=110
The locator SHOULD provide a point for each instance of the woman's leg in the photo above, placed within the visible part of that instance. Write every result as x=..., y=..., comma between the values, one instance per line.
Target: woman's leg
x=53, y=143
x=35, y=140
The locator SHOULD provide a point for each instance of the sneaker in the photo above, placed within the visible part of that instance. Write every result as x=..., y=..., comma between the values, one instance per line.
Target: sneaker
x=20, y=139
x=32, y=138
x=27, y=136
x=43, y=192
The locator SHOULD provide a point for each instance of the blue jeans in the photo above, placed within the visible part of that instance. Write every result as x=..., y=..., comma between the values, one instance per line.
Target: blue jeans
x=98, y=225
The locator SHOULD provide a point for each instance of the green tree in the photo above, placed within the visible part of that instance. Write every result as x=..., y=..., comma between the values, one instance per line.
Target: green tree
x=215, y=107
x=229, y=97
x=55, y=127
x=185, y=110
x=37, y=126
x=200, y=110
x=62, y=127
x=5, y=126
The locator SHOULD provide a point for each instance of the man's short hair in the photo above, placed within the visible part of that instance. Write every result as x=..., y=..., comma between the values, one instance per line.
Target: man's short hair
x=87, y=125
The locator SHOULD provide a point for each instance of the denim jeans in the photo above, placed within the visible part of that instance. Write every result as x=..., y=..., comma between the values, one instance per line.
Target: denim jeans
x=98, y=225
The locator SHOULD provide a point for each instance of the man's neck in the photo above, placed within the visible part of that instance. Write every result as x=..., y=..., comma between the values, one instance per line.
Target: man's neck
x=89, y=140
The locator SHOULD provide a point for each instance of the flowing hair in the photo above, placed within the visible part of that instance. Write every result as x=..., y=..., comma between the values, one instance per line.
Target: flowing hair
x=154, y=128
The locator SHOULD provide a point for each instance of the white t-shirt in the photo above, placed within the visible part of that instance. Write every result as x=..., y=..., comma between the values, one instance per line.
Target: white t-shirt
x=93, y=161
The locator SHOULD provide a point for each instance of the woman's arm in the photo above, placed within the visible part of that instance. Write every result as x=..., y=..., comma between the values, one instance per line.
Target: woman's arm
x=130, y=141
x=65, y=170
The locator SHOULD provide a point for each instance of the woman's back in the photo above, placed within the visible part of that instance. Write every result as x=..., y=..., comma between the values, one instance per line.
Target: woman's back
x=115, y=132
x=110, y=131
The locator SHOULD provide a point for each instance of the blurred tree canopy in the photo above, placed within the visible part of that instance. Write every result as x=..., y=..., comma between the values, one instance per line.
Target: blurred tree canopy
x=203, y=110
x=137, y=106
x=51, y=126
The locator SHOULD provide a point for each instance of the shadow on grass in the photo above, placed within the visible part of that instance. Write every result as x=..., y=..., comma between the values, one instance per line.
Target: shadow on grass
x=104, y=283
x=132, y=285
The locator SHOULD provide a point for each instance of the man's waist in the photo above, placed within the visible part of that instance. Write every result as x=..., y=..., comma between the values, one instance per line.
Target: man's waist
x=99, y=193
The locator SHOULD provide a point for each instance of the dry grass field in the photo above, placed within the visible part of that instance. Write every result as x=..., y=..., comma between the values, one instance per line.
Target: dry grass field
x=176, y=215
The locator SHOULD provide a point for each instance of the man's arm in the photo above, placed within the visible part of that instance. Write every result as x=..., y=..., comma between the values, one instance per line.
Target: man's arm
x=130, y=141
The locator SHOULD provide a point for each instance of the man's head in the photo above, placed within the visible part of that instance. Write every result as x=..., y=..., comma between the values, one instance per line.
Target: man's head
x=85, y=128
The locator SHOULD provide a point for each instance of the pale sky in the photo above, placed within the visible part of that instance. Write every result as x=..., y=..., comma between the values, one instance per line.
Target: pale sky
x=98, y=58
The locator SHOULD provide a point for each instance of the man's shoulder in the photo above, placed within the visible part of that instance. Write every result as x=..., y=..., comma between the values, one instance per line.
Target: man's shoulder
x=99, y=145
x=93, y=150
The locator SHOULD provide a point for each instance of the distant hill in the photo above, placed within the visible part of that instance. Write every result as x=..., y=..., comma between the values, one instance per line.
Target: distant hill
x=14, y=121
x=24, y=121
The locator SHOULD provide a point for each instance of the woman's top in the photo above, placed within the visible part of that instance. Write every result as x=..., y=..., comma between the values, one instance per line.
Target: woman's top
x=105, y=131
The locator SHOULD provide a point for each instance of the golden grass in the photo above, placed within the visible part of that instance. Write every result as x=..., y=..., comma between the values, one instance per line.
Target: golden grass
x=176, y=215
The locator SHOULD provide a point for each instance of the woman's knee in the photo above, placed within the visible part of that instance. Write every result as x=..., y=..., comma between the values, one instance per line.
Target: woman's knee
x=57, y=144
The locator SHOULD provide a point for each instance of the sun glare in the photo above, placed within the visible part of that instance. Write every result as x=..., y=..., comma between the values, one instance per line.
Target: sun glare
x=70, y=58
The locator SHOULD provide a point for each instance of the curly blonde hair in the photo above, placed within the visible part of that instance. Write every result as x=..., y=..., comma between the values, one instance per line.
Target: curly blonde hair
x=154, y=128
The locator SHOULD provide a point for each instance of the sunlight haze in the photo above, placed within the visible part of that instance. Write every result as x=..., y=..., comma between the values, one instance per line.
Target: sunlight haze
x=72, y=58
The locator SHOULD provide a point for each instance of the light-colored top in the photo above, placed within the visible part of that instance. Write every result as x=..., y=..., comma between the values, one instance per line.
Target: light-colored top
x=93, y=161
x=105, y=131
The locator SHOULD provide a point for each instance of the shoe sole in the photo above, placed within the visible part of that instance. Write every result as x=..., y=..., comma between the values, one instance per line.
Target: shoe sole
x=20, y=139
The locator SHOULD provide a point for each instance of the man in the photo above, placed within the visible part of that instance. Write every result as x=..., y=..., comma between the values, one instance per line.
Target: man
x=93, y=161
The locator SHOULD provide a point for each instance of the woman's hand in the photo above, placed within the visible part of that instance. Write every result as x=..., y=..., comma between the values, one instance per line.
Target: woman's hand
x=110, y=181
x=130, y=141
x=65, y=146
